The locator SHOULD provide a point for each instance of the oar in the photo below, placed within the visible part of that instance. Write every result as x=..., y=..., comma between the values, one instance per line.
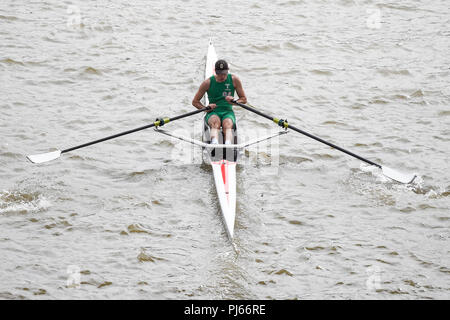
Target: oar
x=390, y=173
x=44, y=157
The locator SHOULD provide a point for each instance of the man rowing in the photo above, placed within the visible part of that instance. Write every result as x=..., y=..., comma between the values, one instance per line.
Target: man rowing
x=220, y=88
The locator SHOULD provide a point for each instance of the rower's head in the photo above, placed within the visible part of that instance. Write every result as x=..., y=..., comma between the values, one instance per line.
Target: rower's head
x=221, y=68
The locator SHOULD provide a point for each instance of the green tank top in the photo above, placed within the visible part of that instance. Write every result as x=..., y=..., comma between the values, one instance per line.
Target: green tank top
x=218, y=91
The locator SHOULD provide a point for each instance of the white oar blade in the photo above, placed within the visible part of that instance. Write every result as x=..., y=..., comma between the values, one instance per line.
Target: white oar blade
x=44, y=157
x=398, y=176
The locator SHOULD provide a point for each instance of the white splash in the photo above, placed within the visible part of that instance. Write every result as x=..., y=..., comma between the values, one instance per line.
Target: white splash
x=22, y=202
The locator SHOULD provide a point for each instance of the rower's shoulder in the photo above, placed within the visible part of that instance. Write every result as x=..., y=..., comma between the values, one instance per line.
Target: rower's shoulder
x=235, y=79
x=206, y=83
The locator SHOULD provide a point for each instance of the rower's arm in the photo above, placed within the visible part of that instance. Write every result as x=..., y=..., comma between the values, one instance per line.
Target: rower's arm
x=200, y=93
x=239, y=89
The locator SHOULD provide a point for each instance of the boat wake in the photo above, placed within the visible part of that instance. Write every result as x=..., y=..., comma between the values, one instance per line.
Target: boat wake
x=364, y=178
x=22, y=202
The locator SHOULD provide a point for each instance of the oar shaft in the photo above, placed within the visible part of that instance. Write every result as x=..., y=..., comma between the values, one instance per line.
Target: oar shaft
x=159, y=122
x=107, y=138
x=334, y=146
x=286, y=125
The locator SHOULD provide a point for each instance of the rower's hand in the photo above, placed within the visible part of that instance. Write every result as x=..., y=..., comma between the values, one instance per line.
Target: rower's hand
x=212, y=106
x=229, y=98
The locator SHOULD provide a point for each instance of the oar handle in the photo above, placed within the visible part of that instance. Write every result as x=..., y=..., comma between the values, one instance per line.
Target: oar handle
x=285, y=124
x=158, y=122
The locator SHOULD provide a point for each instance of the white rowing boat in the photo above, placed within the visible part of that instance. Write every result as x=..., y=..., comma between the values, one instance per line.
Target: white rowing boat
x=223, y=162
x=222, y=158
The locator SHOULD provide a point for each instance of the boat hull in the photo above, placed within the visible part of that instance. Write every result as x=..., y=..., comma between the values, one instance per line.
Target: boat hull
x=225, y=181
x=223, y=161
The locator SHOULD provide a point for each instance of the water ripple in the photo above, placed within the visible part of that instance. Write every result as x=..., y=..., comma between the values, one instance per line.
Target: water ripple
x=128, y=218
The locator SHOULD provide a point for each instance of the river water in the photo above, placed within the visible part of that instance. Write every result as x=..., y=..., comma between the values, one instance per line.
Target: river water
x=138, y=217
